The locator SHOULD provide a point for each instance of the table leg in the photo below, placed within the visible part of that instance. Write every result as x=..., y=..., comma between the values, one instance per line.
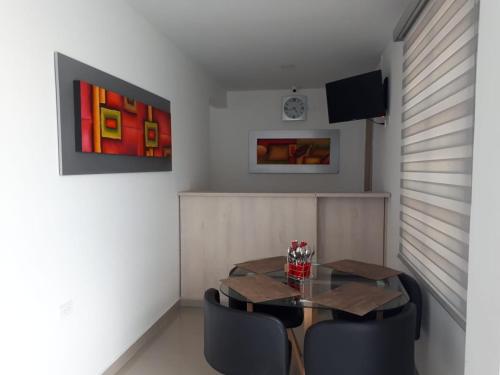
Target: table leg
x=380, y=315
x=296, y=353
x=249, y=306
x=309, y=318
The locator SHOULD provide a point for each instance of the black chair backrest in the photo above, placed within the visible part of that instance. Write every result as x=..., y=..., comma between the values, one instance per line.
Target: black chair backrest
x=239, y=342
x=378, y=347
x=415, y=294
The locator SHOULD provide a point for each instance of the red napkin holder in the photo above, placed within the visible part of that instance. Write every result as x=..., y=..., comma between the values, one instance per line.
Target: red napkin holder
x=299, y=271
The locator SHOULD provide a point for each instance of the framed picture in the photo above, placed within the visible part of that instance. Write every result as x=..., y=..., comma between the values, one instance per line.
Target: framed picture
x=110, y=123
x=107, y=125
x=294, y=151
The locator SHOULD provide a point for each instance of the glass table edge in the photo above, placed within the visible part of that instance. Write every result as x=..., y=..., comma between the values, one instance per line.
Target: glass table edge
x=304, y=303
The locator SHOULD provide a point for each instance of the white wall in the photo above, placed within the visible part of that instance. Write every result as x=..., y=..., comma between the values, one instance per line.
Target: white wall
x=261, y=110
x=441, y=348
x=108, y=243
x=483, y=307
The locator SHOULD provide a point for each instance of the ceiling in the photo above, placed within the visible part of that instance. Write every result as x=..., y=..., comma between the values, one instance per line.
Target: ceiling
x=273, y=44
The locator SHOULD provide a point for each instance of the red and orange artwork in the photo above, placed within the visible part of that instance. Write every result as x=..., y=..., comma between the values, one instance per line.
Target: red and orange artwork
x=294, y=151
x=110, y=123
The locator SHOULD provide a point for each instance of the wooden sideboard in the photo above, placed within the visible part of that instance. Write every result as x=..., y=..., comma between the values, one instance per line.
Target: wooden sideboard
x=218, y=230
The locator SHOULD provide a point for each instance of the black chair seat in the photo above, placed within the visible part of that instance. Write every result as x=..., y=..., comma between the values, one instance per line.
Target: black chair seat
x=241, y=343
x=377, y=347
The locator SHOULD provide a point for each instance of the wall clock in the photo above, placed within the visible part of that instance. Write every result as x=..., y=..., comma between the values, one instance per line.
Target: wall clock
x=294, y=108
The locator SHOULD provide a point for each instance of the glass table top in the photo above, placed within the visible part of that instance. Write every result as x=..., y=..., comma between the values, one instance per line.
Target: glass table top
x=321, y=280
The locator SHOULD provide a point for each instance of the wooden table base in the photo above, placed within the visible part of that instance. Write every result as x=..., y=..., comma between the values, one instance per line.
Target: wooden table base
x=249, y=306
x=296, y=353
x=309, y=318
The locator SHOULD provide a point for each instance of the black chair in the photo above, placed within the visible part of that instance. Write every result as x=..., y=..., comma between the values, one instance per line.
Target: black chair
x=240, y=343
x=378, y=347
x=415, y=294
x=291, y=317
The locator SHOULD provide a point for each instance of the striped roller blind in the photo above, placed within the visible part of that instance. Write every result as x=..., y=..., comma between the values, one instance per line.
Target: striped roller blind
x=437, y=138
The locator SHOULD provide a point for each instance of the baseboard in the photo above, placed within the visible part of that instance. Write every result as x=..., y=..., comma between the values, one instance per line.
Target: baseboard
x=146, y=338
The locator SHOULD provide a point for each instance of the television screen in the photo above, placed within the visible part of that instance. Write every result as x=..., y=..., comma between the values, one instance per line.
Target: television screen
x=354, y=98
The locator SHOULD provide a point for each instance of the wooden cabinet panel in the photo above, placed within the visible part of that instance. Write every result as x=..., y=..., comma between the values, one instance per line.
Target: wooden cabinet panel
x=219, y=231
x=351, y=228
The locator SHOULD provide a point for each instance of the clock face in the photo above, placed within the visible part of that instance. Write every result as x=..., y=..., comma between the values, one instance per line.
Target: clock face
x=294, y=108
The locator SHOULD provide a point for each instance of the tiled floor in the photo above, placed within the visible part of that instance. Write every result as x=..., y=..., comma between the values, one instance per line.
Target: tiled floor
x=178, y=350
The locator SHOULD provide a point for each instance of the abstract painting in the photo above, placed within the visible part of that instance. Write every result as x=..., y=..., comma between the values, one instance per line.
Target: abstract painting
x=293, y=151
x=297, y=151
x=110, y=123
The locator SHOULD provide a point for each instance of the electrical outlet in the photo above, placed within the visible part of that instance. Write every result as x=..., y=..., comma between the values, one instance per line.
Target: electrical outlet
x=66, y=309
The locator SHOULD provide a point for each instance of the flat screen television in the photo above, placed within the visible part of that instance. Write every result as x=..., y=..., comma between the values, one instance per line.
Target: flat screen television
x=354, y=98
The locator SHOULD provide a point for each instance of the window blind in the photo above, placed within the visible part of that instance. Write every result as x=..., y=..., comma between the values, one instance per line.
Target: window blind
x=436, y=149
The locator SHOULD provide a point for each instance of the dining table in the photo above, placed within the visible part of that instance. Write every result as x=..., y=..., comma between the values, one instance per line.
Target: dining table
x=322, y=279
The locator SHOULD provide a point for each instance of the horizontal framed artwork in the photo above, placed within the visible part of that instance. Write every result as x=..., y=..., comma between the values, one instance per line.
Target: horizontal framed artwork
x=294, y=151
x=108, y=125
